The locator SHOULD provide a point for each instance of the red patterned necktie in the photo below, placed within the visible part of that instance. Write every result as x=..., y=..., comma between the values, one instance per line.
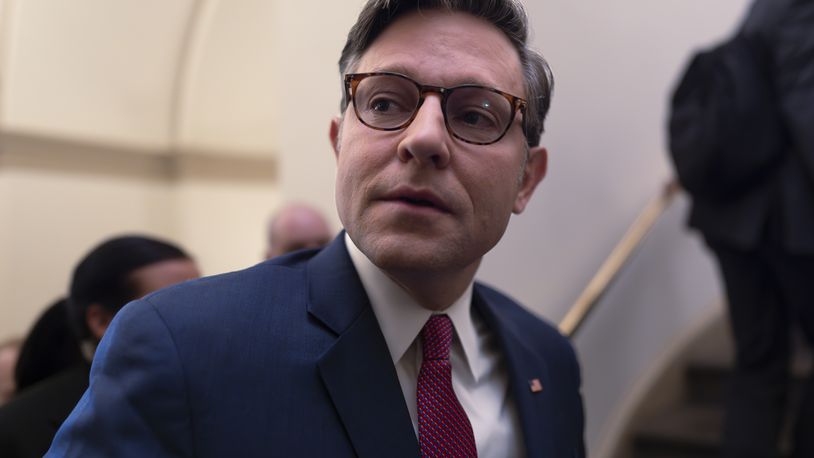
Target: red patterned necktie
x=443, y=428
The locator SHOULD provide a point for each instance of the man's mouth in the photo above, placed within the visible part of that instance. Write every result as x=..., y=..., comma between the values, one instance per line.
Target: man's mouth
x=417, y=198
x=419, y=202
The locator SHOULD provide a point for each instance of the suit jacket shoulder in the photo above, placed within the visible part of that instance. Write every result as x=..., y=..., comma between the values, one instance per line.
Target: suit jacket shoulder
x=287, y=356
x=283, y=356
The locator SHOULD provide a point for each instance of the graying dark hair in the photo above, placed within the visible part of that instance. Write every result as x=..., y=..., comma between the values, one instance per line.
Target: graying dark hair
x=507, y=15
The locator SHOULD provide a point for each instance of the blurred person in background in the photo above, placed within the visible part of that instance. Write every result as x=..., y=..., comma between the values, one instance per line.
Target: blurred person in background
x=9, y=352
x=50, y=347
x=297, y=227
x=742, y=139
x=112, y=274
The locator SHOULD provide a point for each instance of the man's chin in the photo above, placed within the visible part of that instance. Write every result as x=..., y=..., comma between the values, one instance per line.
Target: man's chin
x=400, y=252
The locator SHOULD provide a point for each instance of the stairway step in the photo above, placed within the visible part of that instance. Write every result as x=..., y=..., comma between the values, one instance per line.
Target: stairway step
x=687, y=431
x=706, y=384
x=692, y=428
x=681, y=432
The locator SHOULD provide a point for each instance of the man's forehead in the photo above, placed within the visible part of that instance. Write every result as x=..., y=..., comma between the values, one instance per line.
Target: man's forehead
x=449, y=78
x=470, y=50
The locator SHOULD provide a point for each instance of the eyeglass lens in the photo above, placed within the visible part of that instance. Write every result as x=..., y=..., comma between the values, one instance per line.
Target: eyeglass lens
x=472, y=113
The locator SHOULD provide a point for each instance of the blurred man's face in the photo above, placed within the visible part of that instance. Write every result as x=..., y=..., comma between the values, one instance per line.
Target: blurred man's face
x=153, y=277
x=418, y=198
x=145, y=280
x=297, y=228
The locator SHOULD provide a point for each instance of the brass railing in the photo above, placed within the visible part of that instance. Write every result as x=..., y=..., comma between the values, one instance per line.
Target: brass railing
x=587, y=300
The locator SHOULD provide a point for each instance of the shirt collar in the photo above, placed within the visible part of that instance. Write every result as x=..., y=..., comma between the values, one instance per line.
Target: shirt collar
x=401, y=318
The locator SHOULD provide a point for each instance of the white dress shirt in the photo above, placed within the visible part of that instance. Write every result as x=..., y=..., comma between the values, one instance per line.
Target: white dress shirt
x=479, y=374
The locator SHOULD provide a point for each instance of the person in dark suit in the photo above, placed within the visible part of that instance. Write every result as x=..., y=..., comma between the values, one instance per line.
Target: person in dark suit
x=113, y=273
x=380, y=344
x=743, y=146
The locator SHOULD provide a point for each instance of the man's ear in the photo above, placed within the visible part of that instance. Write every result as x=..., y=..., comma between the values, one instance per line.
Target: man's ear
x=336, y=126
x=535, y=170
x=98, y=319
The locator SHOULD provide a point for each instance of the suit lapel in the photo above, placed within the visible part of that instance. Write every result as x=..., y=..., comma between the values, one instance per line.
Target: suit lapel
x=357, y=370
x=524, y=366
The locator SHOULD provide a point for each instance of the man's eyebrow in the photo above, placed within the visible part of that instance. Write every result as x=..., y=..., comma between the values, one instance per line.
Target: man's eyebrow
x=398, y=68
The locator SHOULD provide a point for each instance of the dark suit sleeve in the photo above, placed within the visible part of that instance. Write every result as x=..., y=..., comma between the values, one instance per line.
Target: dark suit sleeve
x=136, y=404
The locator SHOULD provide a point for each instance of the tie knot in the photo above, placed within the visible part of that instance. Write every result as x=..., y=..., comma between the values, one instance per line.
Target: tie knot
x=436, y=337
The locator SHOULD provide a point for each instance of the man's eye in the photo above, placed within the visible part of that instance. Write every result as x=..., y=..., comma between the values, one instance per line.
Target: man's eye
x=387, y=105
x=471, y=118
x=474, y=118
x=381, y=105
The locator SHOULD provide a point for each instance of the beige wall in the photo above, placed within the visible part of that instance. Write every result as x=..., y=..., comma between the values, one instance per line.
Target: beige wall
x=50, y=217
x=194, y=128
x=56, y=204
x=93, y=69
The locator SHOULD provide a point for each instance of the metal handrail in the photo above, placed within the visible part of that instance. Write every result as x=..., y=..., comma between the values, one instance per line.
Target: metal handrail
x=587, y=300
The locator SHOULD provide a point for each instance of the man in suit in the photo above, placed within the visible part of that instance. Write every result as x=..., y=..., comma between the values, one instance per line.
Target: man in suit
x=380, y=344
x=113, y=273
x=743, y=145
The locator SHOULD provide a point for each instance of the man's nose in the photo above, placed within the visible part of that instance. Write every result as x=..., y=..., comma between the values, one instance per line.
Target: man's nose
x=426, y=139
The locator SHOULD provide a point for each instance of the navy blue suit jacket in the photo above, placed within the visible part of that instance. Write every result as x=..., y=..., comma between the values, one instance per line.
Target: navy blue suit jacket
x=287, y=359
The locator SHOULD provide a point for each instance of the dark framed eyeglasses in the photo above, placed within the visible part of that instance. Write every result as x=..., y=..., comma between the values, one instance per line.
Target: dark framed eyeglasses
x=474, y=114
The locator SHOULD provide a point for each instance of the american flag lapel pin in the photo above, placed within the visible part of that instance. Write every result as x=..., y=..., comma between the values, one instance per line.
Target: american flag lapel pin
x=535, y=386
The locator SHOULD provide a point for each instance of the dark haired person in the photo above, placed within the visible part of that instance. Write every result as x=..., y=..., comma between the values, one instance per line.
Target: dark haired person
x=113, y=273
x=50, y=347
x=381, y=344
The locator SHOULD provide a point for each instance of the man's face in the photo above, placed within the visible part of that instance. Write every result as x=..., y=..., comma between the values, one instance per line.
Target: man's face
x=385, y=179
